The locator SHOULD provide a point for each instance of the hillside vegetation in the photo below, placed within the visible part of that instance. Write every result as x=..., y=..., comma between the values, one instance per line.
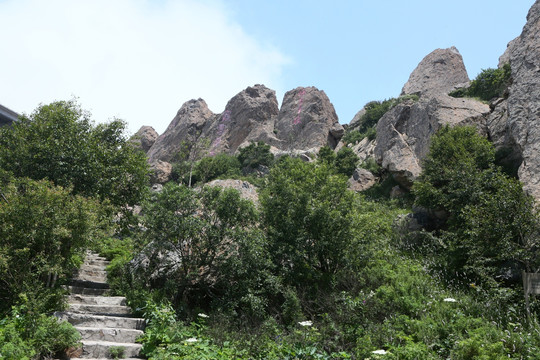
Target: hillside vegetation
x=312, y=271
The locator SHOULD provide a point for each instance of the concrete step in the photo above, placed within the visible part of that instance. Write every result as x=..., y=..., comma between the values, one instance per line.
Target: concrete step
x=92, y=271
x=97, y=349
x=97, y=262
x=109, y=334
x=100, y=279
x=101, y=321
x=90, y=284
x=81, y=290
x=97, y=300
x=112, y=310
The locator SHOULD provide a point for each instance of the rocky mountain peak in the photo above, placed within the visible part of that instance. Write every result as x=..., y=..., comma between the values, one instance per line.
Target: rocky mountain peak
x=440, y=71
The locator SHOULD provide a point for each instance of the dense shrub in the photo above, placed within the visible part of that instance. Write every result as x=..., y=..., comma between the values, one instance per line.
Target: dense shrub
x=255, y=154
x=59, y=142
x=212, y=167
x=346, y=161
x=44, y=231
x=489, y=84
x=490, y=220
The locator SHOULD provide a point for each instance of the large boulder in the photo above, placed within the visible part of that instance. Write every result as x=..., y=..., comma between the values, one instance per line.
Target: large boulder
x=144, y=138
x=248, y=116
x=182, y=133
x=307, y=121
x=523, y=121
x=403, y=133
x=440, y=71
x=160, y=172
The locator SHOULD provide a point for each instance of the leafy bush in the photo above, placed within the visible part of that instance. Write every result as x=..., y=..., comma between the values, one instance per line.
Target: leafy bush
x=44, y=230
x=346, y=161
x=489, y=84
x=212, y=167
x=59, y=142
x=490, y=220
x=307, y=211
x=25, y=334
x=255, y=154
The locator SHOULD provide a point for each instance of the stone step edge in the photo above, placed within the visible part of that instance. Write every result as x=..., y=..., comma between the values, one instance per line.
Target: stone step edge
x=67, y=314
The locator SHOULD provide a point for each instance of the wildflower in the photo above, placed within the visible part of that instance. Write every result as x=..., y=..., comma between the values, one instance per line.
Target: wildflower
x=450, y=300
x=204, y=316
x=191, y=340
x=305, y=323
x=379, y=352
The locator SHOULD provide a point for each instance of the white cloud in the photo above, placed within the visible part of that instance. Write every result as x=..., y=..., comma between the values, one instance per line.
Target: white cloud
x=138, y=60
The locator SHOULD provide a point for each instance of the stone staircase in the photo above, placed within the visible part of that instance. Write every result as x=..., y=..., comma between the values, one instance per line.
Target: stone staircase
x=103, y=321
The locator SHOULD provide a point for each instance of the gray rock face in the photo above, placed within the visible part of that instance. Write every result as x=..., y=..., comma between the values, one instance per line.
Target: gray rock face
x=161, y=171
x=144, y=138
x=440, y=71
x=247, y=116
x=306, y=122
x=524, y=100
x=361, y=180
x=184, y=130
x=403, y=133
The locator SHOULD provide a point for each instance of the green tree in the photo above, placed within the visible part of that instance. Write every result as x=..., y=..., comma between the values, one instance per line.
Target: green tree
x=308, y=215
x=326, y=156
x=199, y=230
x=59, y=142
x=346, y=161
x=212, y=167
x=489, y=219
x=43, y=231
x=255, y=154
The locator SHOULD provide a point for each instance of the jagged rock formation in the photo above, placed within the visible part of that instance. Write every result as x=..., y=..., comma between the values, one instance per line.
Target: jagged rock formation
x=516, y=124
x=182, y=132
x=144, y=138
x=440, y=72
x=306, y=122
x=403, y=133
x=103, y=321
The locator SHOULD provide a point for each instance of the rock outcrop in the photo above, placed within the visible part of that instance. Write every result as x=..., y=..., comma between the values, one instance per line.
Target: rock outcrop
x=440, y=71
x=523, y=105
x=246, y=190
x=361, y=180
x=403, y=133
x=144, y=138
x=184, y=131
x=306, y=122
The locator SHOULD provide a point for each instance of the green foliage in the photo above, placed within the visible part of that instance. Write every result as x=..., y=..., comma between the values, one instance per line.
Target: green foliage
x=346, y=161
x=255, y=154
x=326, y=156
x=489, y=84
x=307, y=212
x=212, y=167
x=59, y=142
x=25, y=334
x=490, y=220
x=203, y=228
x=117, y=352
x=44, y=230
x=374, y=111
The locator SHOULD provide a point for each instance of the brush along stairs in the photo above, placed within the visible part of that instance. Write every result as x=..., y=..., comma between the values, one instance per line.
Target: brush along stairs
x=104, y=321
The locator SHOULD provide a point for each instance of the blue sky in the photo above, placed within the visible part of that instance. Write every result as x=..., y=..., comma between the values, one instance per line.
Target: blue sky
x=140, y=60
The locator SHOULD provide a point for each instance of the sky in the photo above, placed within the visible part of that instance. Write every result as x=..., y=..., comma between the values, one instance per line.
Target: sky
x=140, y=60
